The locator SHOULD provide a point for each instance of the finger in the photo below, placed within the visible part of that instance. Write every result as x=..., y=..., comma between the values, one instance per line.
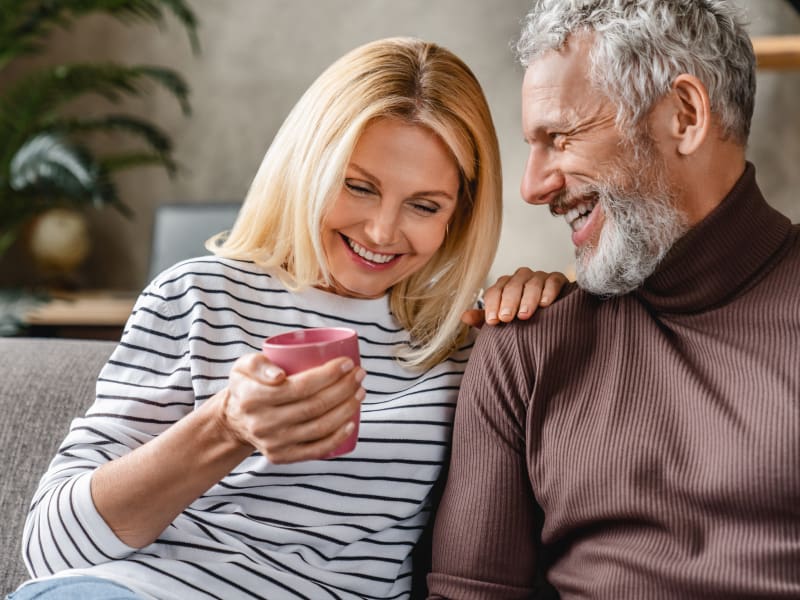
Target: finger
x=244, y=387
x=258, y=367
x=294, y=387
x=312, y=381
x=491, y=299
x=473, y=317
x=312, y=450
x=308, y=408
x=531, y=295
x=552, y=287
x=520, y=293
x=252, y=394
x=322, y=426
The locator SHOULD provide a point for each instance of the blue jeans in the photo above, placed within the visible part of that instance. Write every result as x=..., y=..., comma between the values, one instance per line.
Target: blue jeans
x=78, y=587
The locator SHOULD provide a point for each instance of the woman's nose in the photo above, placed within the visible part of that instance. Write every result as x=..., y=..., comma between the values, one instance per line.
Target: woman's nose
x=382, y=226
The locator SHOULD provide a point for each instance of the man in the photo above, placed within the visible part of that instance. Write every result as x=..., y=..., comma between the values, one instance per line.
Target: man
x=641, y=438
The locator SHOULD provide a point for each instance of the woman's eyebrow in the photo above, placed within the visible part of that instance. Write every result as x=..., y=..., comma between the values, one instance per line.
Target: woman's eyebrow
x=364, y=173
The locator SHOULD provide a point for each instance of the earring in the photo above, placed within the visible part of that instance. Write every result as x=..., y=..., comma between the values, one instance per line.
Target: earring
x=446, y=229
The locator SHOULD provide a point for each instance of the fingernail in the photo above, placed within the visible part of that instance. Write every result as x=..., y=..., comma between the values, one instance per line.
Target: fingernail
x=545, y=299
x=360, y=374
x=273, y=372
x=360, y=394
x=347, y=365
x=492, y=316
x=523, y=310
x=506, y=312
x=348, y=429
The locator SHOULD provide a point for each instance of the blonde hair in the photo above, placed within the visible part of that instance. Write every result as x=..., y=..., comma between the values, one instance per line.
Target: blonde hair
x=279, y=225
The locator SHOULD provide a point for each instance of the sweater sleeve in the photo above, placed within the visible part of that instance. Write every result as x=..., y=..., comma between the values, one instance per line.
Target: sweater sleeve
x=143, y=389
x=486, y=528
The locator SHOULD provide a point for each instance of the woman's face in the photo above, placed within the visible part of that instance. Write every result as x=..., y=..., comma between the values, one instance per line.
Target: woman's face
x=400, y=191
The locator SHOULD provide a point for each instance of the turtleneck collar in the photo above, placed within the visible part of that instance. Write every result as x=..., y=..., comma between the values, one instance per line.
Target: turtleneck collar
x=719, y=256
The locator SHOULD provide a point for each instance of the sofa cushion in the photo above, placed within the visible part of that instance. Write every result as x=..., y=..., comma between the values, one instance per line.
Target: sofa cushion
x=44, y=384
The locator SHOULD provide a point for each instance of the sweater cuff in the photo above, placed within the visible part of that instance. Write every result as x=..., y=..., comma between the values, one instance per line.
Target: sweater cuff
x=93, y=523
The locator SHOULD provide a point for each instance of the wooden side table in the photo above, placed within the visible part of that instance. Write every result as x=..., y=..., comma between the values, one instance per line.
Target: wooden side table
x=96, y=314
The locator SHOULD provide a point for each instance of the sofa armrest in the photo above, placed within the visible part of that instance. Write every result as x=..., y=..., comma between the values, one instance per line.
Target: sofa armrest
x=44, y=384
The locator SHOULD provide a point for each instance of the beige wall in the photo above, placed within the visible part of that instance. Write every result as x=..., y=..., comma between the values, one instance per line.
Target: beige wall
x=259, y=55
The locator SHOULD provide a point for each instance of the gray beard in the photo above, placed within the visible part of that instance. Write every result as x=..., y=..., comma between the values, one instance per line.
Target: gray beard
x=641, y=225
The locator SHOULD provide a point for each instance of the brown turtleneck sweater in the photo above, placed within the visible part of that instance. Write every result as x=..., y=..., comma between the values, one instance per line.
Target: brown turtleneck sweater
x=646, y=446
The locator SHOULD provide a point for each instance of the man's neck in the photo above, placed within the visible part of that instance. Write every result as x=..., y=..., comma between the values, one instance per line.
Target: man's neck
x=709, y=175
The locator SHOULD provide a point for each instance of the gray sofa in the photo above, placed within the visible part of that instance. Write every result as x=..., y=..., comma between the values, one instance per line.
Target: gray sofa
x=44, y=383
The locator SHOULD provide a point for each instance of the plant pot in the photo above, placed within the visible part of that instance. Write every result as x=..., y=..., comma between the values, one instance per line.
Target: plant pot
x=58, y=241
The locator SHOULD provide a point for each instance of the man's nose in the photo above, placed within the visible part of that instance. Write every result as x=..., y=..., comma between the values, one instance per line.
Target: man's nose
x=542, y=179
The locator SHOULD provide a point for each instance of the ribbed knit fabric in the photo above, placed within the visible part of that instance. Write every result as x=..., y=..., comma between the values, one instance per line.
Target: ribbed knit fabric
x=342, y=528
x=646, y=446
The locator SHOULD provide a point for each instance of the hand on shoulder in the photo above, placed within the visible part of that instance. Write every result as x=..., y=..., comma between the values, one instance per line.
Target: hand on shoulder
x=516, y=296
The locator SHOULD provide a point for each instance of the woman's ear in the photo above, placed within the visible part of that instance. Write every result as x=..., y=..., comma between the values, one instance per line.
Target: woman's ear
x=692, y=118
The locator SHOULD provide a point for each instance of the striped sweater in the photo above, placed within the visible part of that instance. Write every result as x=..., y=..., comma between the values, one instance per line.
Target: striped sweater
x=340, y=528
x=643, y=447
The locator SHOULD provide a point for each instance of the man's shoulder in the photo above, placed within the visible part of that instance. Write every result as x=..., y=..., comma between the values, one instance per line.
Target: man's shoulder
x=795, y=238
x=574, y=312
x=574, y=305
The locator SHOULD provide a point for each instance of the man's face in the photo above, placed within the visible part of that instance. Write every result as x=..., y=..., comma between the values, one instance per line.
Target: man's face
x=616, y=196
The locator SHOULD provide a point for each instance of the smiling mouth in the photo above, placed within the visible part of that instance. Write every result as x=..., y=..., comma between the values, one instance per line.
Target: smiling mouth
x=373, y=257
x=578, y=215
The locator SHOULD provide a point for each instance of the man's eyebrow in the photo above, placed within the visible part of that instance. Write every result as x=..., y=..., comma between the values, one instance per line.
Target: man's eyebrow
x=563, y=120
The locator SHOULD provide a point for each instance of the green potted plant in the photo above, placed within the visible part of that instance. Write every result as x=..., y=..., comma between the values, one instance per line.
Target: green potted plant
x=46, y=157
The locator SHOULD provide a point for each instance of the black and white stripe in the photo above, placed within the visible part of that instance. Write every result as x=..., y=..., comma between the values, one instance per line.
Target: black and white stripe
x=340, y=528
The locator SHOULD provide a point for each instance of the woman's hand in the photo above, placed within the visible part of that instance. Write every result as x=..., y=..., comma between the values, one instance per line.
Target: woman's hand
x=288, y=419
x=292, y=418
x=516, y=296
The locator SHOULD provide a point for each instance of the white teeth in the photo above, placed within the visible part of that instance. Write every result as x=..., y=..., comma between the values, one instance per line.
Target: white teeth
x=577, y=215
x=370, y=256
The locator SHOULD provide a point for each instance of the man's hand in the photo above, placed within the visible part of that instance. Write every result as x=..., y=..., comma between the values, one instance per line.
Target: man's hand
x=516, y=296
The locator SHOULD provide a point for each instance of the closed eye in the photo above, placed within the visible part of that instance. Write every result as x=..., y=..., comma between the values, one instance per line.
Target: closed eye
x=425, y=208
x=360, y=189
x=558, y=139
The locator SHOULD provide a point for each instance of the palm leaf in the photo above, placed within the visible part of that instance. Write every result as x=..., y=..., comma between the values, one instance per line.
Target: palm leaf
x=40, y=163
x=8, y=235
x=25, y=23
x=129, y=160
x=51, y=167
x=32, y=104
x=154, y=137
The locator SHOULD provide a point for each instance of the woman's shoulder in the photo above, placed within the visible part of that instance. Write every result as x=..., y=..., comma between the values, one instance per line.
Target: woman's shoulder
x=212, y=272
x=210, y=277
x=210, y=267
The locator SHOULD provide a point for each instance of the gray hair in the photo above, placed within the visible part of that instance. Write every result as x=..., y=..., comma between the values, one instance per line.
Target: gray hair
x=641, y=46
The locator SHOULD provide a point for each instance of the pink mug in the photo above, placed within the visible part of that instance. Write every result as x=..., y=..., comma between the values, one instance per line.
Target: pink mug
x=302, y=349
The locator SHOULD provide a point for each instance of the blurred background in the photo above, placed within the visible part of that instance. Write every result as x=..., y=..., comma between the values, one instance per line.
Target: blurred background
x=256, y=57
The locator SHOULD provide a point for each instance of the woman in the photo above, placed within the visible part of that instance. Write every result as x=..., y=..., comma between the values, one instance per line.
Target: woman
x=195, y=473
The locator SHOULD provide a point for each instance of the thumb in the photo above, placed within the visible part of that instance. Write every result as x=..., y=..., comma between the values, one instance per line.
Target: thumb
x=473, y=317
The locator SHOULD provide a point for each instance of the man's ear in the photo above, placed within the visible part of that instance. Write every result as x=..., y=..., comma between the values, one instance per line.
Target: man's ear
x=692, y=119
